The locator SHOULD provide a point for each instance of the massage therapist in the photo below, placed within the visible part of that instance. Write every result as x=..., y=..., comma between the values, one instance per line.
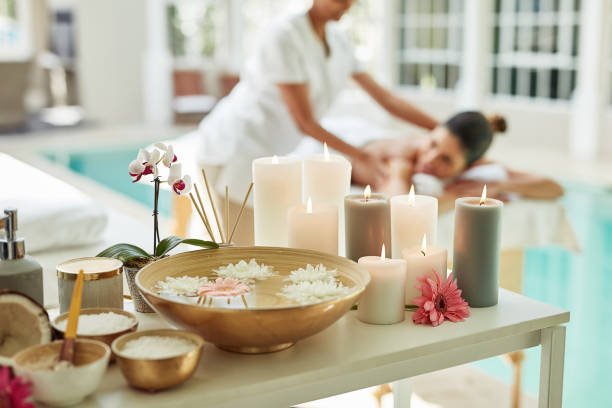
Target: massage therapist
x=287, y=86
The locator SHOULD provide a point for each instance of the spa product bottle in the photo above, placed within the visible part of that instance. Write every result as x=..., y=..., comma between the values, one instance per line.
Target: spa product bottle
x=18, y=272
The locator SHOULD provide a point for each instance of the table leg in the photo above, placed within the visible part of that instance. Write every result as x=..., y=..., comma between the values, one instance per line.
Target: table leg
x=551, y=367
x=402, y=391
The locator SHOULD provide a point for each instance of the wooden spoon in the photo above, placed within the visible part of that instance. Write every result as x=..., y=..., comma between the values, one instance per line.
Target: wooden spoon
x=67, y=351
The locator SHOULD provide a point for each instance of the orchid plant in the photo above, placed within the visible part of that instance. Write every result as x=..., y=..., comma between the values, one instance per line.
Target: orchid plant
x=147, y=163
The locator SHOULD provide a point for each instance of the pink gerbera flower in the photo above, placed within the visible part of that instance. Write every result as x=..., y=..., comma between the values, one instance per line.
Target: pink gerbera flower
x=14, y=392
x=227, y=287
x=439, y=301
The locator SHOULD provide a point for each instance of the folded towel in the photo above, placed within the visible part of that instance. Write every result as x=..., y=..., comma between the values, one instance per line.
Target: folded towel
x=51, y=213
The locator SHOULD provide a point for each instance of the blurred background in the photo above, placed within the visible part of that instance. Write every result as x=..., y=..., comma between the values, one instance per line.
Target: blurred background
x=85, y=83
x=169, y=61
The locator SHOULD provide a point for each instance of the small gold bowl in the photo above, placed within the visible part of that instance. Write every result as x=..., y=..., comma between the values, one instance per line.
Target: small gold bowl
x=106, y=338
x=161, y=373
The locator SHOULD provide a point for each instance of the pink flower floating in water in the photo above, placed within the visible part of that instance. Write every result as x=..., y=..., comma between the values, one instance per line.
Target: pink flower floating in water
x=439, y=301
x=227, y=287
x=14, y=392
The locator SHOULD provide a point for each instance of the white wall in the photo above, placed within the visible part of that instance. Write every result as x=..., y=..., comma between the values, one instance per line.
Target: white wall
x=110, y=41
x=606, y=141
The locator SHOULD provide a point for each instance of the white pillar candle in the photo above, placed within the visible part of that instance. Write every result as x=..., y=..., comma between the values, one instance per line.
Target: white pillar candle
x=423, y=260
x=277, y=187
x=412, y=216
x=313, y=226
x=327, y=179
x=383, y=300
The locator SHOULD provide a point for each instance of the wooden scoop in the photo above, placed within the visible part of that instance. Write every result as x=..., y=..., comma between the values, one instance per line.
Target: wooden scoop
x=67, y=351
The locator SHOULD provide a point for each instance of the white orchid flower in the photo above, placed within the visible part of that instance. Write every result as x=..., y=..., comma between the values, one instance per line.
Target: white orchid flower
x=169, y=156
x=181, y=185
x=145, y=164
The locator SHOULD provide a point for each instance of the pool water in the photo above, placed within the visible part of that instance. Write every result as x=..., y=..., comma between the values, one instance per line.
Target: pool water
x=580, y=283
x=109, y=167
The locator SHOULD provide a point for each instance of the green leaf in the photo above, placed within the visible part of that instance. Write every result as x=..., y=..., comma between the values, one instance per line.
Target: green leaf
x=124, y=252
x=171, y=242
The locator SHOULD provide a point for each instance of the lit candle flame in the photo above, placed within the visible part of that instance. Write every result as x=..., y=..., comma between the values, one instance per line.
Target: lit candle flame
x=411, y=198
x=424, y=244
x=325, y=151
x=483, y=197
x=309, y=206
x=275, y=159
x=382, y=252
x=367, y=192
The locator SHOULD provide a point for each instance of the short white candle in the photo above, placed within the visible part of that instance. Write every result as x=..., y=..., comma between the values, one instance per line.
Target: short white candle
x=383, y=300
x=327, y=179
x=423, y=260
x=412, y=215
x=314, y=226
x=277, y=187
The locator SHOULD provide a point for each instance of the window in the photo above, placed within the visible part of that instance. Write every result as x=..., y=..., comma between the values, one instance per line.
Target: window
x=535, y=48
x=364, y=24
x=430, y=42
x=14, y=30
x=196, y=29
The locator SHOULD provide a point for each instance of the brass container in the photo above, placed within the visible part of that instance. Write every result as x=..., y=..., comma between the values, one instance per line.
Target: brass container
x=270, y=322
x=104, y=338
x=102, y=285
x=162, y=373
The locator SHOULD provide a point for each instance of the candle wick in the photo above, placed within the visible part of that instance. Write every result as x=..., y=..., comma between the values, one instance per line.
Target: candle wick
x=423, y=252
x=481, y=203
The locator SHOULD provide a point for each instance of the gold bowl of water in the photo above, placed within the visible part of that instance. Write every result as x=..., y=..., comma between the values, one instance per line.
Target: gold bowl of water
x=267, y=321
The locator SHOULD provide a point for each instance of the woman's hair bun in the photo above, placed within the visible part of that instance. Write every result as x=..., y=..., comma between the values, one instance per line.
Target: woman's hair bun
x=498, y=123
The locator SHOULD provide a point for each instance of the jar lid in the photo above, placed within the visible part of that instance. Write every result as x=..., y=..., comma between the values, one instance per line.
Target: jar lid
x=95, y=268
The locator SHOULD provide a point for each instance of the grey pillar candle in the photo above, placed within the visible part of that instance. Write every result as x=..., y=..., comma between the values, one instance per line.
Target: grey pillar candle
x=367, y=224
x=476, y=252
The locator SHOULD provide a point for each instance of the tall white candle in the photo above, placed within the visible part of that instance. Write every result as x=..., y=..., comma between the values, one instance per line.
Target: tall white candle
x=327, y=179
x=383, y=300
x=412, y=216
x=423, y=260
x=314, y=226
x=277, y=187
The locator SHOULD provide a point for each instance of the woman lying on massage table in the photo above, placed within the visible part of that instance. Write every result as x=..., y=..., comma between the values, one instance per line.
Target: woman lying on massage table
x=453, y=153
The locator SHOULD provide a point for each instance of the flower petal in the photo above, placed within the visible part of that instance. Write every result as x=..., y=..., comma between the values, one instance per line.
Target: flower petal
x=174, y=174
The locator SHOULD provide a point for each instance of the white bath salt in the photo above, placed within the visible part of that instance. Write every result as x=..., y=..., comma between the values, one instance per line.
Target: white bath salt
x=155, y=347
x=101, y=323
x=246, y=272
x=181, y=286
x=313, y=292
x=312, y=273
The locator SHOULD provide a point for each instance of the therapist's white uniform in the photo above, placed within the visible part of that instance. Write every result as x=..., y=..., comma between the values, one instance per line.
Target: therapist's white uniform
x=253, y=120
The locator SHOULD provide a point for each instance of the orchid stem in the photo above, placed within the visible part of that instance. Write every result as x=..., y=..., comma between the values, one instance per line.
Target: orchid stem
x=155, y=212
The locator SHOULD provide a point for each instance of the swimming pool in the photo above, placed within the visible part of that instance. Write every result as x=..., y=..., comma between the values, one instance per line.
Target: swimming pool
x=580, y=283
x=109, y=167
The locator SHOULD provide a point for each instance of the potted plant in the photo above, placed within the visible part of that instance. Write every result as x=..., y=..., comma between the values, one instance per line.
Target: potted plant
x=134, y=258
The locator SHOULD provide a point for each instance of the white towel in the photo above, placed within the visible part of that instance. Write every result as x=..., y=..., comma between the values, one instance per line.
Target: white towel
x=51, y=213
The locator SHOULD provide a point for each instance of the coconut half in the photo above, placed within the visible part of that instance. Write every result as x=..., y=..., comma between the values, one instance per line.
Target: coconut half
x=23, y=323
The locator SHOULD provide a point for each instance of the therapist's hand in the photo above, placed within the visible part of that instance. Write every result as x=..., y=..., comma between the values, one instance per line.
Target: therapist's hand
x=369, y=169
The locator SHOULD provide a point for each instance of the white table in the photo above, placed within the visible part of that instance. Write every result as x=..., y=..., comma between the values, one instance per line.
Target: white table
x=351, y=355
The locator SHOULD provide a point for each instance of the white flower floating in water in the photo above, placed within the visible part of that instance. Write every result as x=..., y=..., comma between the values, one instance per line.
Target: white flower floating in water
x=181, y=286
x=246, y=272
x=317, y=291
x=312, y=273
